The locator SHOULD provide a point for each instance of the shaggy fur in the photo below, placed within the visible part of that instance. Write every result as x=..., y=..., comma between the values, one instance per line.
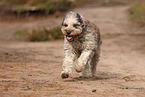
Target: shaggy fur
x=82, y=44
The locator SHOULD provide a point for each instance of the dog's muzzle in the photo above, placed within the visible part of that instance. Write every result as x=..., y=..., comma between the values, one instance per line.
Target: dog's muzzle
x=69, y=37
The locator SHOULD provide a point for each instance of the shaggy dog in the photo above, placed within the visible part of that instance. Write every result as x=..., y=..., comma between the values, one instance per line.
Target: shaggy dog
x=82, y=44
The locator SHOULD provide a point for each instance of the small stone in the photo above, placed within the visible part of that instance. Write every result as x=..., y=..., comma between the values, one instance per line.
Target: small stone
x=130, y=78
x=126, y=87
x=6, y=53
x=94, y=90
x=126, y=79
x=64, y=75
x=11, y=66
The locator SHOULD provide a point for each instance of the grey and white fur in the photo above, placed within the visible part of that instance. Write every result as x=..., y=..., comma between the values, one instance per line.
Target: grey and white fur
x=82, y=42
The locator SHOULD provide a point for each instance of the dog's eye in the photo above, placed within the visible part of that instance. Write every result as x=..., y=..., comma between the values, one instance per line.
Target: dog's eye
x=65, y=25
x=75, y=25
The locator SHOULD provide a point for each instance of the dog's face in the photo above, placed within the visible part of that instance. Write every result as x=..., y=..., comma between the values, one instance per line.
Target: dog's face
x=72, y=25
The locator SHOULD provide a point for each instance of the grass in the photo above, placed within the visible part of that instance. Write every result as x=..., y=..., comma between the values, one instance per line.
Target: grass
x=138, y=13
x=47, y=4
x=21, y=34
x=39, y=34
x=38, y=7
x=58, y=5
x=26, y=2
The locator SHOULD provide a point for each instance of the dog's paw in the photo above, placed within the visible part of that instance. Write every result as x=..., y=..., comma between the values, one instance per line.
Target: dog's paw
x=79, y=69
x=64, y=75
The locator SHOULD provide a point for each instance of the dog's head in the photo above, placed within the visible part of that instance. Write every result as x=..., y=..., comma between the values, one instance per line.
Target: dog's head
x=72, y=25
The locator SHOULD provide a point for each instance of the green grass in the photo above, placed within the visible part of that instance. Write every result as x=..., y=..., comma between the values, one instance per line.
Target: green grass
x=21, y=34
x=57, y=5
x=25, y=2
x=39, y=34
x=138, y=13
x=47, y=4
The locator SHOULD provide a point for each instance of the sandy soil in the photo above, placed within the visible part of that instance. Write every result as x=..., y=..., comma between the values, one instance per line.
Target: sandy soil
x=33, y=69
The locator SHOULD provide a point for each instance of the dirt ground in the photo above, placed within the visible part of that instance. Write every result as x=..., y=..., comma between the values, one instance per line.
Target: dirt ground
x=32, y=69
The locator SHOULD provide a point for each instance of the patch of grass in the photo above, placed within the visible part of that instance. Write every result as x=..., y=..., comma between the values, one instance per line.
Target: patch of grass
x=21, y=34
x=25, y=2
x=138, y=13
x=44, y=34
x=58, y=5
x=39, y=34
x=48, y=4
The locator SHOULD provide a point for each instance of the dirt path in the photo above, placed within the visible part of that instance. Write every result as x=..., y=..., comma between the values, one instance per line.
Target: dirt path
x=33, y=69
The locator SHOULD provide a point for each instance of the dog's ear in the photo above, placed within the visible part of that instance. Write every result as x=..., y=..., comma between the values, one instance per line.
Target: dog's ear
x=66, y=17
x=81, y=19
x=63, y=21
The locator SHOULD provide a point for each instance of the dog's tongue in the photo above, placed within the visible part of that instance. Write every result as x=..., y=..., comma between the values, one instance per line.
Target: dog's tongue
x=69, y=37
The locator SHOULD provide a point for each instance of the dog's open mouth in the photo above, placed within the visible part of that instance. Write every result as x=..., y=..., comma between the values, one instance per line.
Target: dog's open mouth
x=70, y=38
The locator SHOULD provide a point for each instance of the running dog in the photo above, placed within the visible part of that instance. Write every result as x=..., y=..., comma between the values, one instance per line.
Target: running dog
x=82, y=43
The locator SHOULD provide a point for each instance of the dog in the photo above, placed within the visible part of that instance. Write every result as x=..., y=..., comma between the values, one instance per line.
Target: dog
x=82, y=43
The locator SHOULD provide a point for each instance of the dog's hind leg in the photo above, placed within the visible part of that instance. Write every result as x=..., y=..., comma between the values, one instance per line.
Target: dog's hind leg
x=93, y=64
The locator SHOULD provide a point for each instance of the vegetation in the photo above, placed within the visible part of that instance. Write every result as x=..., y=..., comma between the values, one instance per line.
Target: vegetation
x=26, y=8
x=39, y=34
x=138, y=13
x=58, y=5
x=47, y=4
x=18, y=34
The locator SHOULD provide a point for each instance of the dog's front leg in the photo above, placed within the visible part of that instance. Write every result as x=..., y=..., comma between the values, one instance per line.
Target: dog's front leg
x=68, y=62
x=83, y=60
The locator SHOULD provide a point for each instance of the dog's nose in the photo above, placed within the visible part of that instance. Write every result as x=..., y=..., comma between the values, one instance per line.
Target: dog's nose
x=68, y=32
